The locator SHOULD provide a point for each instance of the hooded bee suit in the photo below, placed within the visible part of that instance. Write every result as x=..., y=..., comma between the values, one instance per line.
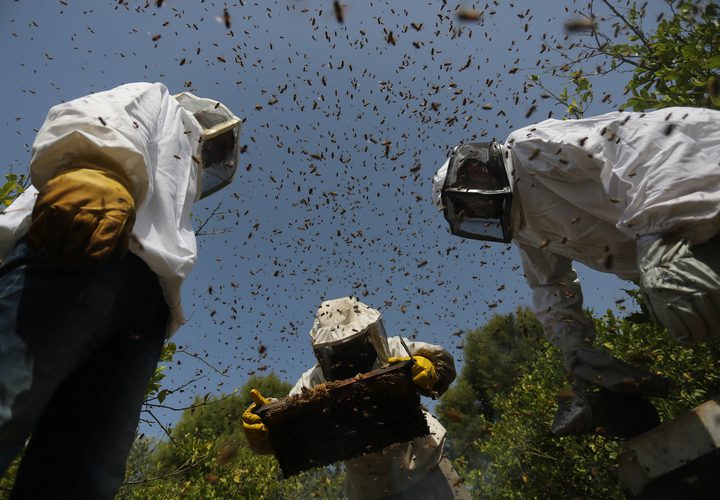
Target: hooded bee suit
x=601, y=191
x=635, y=194
x=397, y=470
x=79, y=342
x=141, y=128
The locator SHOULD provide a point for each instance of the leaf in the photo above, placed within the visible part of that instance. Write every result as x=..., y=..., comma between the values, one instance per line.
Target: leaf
x=713, y=62
x=5, y=191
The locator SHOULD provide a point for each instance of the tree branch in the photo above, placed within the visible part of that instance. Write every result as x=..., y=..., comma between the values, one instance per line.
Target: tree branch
x=196, y=356
x=194, y=405
x=165, y=430
x=181, y=470
x=212, y=214
x=634, y=28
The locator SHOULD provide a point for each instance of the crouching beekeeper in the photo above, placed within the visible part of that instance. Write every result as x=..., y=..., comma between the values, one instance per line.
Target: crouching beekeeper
x=633, y=194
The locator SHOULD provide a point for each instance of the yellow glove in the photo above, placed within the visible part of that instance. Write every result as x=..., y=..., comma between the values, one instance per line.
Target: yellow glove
x=423, y=371
x=256, y=432
x=83, y=215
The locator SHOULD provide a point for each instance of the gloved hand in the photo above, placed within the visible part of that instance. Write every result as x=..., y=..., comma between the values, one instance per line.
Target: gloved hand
x=604, y=370
x=256, y=432
x=603, y=412
x=681, y=291
x=83, y=215
x=423, y=371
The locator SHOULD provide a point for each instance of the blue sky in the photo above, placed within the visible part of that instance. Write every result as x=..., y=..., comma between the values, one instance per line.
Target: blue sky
x=345, y=124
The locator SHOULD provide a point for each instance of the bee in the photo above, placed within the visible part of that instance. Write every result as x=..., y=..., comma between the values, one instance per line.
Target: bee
x=713, y=87
x=339, y=10
x=468, y=15
x=226, y=18
x=530, y=111
x=580, y=25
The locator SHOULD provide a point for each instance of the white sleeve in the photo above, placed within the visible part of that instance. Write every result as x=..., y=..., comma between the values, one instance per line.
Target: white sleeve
x=15, y=219
x=396, y=348
x=557, y=297
x=116, y=128
x=308, y=380
x=552, y=156
x=658, y=170
x=439, y=357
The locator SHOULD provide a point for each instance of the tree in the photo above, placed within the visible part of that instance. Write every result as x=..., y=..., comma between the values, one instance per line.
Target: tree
x=206, y=456
x=520, y=459
x=215, y=419
x=495, y=356
x=676, y=65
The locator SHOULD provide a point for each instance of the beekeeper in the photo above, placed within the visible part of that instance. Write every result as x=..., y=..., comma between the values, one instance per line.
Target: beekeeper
x=634, y=194
x=82, y=320
x=348, y=338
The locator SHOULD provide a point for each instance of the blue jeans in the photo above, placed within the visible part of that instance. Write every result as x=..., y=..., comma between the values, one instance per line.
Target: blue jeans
x=77, y=349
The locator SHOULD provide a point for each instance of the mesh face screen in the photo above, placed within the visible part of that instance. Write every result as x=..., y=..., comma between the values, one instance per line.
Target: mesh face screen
x=470, y=206
x=208, y=119
x=220, y=149
x=477, y=166
x=472, y=173
x=477, y=195
x=346, y=360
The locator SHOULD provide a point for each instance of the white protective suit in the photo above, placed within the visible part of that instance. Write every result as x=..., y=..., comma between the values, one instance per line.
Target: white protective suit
x=401, y=465
x=142, y=128
x=589, y=189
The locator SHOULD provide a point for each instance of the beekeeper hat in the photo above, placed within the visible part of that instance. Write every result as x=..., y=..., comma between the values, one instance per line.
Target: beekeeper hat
x=340, y=320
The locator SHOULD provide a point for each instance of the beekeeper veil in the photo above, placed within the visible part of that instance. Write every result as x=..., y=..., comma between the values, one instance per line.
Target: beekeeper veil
x=473, y=189
x=348, y=338
x=218, y=148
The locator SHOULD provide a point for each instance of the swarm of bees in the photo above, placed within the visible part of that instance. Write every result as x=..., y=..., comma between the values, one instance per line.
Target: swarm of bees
x=329, y=137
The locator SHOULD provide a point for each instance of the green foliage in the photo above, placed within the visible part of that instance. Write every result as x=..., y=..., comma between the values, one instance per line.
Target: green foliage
x=676, y=65
x=8, y=479
x=679, y=63
x=575, y=101
x=153, y=391
x=520, y=459
x=495, y=355
x=206, y=456
x=14, y=185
